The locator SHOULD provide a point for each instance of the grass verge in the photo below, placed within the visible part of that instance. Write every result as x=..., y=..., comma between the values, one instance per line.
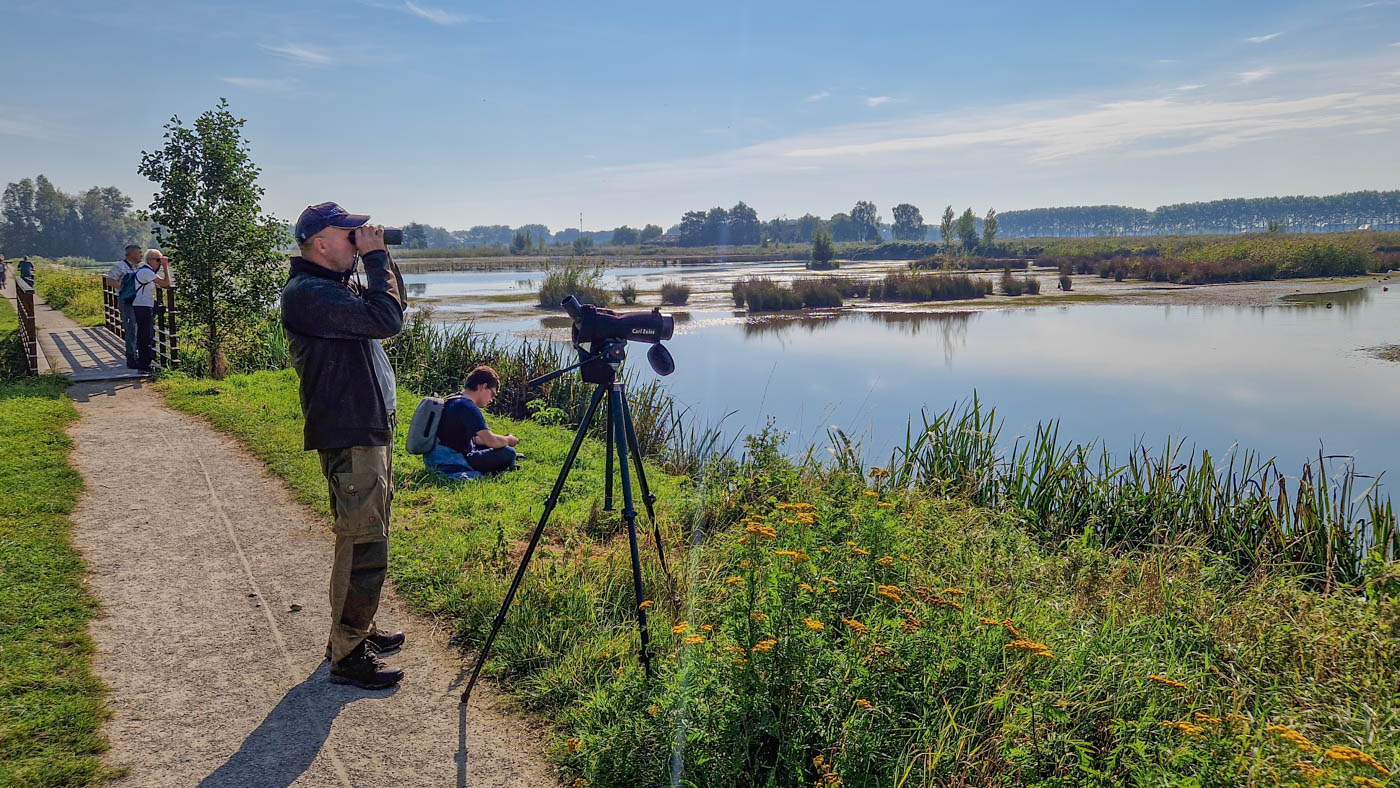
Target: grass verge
x=51, y=708
x=77, y=293
x=834, y=629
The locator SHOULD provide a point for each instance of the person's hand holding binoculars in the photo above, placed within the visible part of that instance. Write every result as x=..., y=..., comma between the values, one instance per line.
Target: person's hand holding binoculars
x=368, y=238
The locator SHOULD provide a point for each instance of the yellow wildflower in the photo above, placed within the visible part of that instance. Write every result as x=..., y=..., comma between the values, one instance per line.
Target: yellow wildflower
x=693, y=640
x=885, y=561
x=765, y=645
x=1289, y=735
x=654, y=710
x=818, y=761
x=1185, y=727
x=1027, y=645
x=850, y=544
x=807, y=588
x=742, y=540
x=891, y=593
x=856, y=625
x=904, y=557
x=797, y=556
x=991, y=622
x=831, y=780
x=911, y=625
x=680, y=629
x=939, y=601
x=646, y=603
x=789, y=521
x=758, y=616
x=878, y=472
x=1044, y=655
x=766, y=531
x=826, y=549
x=1367, y=782
x=740, y=661
x=580, y=783
x=954, y=591
x=864, y=704
x=872, y=494
x=732, y=579
x=885, y=505
x=828, y=581
x=1341, y=752
x=1309, y=771
x=745, y=564
x=813, y=624
x=1206, y=719
x=807, y=518
x=859, y=551
x=1010, y=628
x=1166, y=681
x=575, y=745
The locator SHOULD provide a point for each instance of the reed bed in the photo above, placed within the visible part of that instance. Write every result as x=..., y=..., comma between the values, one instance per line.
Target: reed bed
x=674, y=293
x=929, y=287
x=576, y=279
x=1325, y=525
x=761, y=294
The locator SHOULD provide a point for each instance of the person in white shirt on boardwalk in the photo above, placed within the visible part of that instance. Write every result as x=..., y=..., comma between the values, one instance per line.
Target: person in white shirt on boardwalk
x=115, y=273
x=155, y=273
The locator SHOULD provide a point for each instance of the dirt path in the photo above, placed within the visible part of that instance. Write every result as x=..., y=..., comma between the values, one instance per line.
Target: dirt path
x=198, y=556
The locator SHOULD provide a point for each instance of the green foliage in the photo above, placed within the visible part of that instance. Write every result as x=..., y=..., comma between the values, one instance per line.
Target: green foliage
x=674, y=293
x=761, y=294
x=1066, y=283
x=817, y=293
x=908, y=223
x=51, y=732
x=946, y=226
x=927, y=287
x=13, y=362
x=573, y=278
x=39, y=219
x=967, y=231
x=628, y=293
x=823, y=254
x=583, y=245
x=76, y=293
x=989, y=228
x=523, y=242
x=866, y=220
x=625, y=236
x=228, y=271
x=650, y=232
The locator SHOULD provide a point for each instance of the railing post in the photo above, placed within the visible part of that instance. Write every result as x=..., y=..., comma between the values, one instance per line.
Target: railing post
x=24, y=298
x=111, y=310
x=167, y=341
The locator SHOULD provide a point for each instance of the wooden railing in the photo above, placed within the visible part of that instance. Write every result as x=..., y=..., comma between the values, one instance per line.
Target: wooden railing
x=165, y=330
x=24, y=300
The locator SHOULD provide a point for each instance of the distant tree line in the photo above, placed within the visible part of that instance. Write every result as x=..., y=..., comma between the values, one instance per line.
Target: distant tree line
x=1373, y=210
x=38, y=218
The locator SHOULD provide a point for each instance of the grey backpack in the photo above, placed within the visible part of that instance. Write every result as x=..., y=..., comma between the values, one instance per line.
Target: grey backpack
x=423, y=429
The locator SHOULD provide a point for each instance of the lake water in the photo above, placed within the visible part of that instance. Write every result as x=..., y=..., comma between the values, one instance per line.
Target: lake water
x=1281, y=380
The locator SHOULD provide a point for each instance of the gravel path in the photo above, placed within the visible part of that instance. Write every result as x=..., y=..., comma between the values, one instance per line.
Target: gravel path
x=214, y=588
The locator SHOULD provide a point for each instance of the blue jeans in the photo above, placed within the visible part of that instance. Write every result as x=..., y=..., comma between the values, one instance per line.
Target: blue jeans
x=472, y=465
x=129, y=334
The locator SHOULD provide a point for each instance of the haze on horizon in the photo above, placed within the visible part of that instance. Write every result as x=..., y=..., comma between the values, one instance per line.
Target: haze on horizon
x=457, y=114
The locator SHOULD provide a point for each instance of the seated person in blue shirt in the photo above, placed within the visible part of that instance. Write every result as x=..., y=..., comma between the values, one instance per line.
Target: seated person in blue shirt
x=466, y=448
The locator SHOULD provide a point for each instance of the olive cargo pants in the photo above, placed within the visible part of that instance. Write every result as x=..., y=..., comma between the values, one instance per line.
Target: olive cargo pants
x=361, y=481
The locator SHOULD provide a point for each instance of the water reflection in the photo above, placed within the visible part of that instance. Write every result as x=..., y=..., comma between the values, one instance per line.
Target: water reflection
x=1345, y=300
x=949, y=328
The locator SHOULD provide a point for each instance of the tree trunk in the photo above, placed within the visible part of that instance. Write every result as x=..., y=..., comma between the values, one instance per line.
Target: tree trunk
x=218, y=364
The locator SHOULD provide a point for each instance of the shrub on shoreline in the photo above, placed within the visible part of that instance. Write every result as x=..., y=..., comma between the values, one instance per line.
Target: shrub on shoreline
x=577, y=279
x=674, y=293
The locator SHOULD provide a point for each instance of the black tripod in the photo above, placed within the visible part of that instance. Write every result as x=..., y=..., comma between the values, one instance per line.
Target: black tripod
x=601, y=368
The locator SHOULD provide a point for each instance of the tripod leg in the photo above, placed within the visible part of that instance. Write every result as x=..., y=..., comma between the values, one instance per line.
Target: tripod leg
x=647, y=498
x=549, y=504
x=630, y=515
x=608, y=473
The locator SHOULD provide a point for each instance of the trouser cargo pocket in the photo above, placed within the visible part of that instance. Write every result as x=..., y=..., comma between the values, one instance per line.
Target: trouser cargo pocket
x=360, y=489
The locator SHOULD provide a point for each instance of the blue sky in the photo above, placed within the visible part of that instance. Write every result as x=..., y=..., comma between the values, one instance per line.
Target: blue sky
x=459, y=114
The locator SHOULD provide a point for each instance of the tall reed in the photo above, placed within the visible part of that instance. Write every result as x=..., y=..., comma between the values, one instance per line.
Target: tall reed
x=1323, y=525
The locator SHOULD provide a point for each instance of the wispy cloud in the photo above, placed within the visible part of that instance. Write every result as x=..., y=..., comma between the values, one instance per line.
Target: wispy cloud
x=24, y=122
x=875, y=101
x=279, y=85
x=1166, y=61
x=1247, y=77
x=818, y=96
x=1192, y=86
x=436, y=15
x=590, y=156
x=1262, y=39
x=300, y=53
x=1039, y=133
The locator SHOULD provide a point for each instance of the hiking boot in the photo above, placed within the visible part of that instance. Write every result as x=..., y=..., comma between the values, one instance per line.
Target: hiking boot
x=363, y=669
x=379, y=643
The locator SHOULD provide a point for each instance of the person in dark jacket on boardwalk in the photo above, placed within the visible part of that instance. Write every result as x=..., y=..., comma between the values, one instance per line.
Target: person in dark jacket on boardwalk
x=348, y=400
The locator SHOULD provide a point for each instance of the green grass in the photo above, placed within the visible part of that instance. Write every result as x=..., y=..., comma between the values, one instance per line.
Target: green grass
x=757, y=696
x=51, y=708
x=77, y=293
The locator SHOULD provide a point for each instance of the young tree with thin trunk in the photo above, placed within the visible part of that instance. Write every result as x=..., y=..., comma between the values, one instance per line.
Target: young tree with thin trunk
x=945, y=227
x=209, y=220
x=989, y=227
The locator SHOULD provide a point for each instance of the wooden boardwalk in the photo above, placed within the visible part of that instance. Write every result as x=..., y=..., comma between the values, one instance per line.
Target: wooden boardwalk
x=82, y=353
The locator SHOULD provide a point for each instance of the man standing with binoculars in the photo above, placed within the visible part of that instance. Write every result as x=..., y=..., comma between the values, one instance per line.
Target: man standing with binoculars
x=348, y=399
